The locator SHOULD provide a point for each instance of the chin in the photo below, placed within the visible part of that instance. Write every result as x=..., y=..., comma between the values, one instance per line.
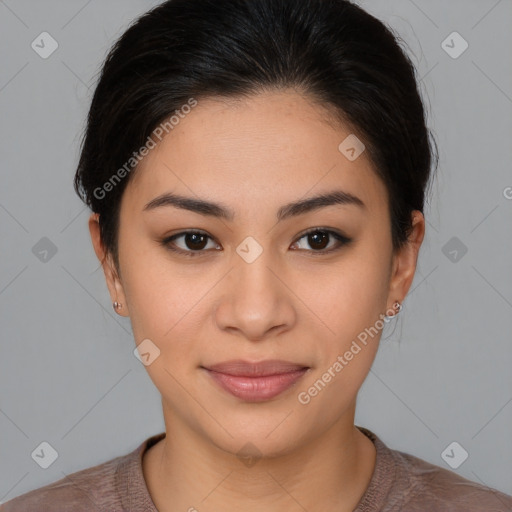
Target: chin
x=258, y=435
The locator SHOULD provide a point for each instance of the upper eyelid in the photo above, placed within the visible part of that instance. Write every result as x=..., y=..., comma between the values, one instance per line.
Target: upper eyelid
x=205, y=233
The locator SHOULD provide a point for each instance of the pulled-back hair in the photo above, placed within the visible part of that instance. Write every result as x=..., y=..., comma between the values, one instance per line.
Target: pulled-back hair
x=332, y=51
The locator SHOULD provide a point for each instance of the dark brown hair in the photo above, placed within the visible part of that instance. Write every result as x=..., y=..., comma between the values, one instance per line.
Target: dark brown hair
x=334, y=51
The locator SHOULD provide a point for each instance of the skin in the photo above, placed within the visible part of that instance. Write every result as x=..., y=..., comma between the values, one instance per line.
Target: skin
x=292, y=303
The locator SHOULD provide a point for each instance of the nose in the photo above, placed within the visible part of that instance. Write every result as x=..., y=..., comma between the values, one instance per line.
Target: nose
x=255, y=301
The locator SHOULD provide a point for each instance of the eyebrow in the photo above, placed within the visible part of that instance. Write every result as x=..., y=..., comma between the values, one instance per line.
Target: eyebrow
x=203, y=207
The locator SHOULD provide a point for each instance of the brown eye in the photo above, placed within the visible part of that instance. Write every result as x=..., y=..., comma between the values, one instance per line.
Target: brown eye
x=318, y=239
x=195, y=241
x=193, y=244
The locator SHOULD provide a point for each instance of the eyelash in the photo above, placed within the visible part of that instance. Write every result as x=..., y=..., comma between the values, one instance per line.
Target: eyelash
x=341, y=239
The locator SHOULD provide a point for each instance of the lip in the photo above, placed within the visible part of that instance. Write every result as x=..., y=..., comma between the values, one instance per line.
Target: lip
x=256, y=382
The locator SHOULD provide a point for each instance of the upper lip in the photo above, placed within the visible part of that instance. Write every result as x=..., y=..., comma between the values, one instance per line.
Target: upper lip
x=240, y=368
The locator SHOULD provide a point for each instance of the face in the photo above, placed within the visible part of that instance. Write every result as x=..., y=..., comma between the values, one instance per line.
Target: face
x=265, y=281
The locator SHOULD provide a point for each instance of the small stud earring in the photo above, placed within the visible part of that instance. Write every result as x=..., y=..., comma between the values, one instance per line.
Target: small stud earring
x=396, y=306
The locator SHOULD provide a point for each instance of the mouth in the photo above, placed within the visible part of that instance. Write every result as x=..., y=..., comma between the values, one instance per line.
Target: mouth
x=255, y=382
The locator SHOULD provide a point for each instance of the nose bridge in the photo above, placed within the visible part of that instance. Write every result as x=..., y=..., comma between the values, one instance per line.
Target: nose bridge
x=255, y=300
x=255, y=279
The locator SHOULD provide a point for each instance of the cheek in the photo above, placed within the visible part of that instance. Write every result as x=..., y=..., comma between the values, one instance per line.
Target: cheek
x=156, y=297
x=353, y=305
x=352, y=294
x=352, y=299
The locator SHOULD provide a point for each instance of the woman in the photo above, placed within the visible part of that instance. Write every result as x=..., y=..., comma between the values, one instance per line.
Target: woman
x=257, y=172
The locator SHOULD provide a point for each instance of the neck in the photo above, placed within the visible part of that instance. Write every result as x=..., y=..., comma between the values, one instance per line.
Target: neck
x=184, y=472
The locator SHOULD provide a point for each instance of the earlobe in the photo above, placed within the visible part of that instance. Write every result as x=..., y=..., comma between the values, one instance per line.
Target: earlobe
x=112, y=278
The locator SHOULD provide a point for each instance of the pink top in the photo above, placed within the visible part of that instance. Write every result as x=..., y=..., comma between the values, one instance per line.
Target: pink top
x=400, y=482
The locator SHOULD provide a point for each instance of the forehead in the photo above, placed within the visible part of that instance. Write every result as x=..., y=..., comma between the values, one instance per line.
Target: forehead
x=266, y=149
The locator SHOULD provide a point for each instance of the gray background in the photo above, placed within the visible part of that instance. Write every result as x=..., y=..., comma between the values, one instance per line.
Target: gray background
x=68, y=375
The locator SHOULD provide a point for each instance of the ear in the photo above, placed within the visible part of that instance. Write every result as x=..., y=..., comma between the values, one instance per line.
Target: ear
x=404, y=261
x=112, y=278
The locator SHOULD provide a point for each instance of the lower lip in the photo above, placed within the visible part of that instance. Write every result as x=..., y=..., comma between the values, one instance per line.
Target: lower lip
x=256, y=389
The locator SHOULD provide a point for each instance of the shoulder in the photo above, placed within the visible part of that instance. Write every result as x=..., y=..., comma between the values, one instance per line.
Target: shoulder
x=402, y=482
x=428, y=486
x=91, y=489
